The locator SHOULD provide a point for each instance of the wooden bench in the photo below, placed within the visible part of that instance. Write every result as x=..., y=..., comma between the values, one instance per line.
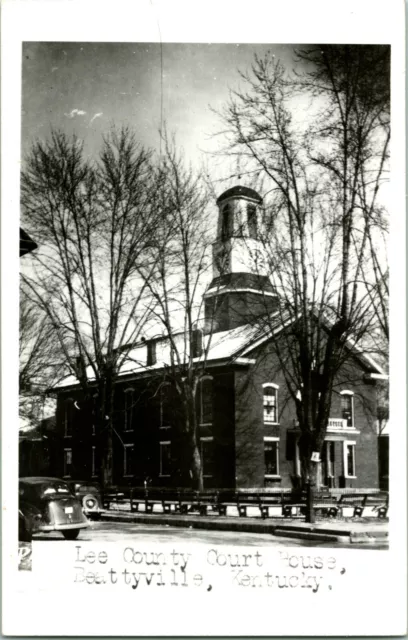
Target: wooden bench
x=379, y=501
x=262, y=499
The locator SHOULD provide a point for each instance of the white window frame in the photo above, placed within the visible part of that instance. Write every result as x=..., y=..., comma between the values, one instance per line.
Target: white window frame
x=276, y=388
x=347, y=443
x=129, y=392
x=205, y=424
x=161, y=443
x=349, y=393
x=93, y=462
x=277, y=440
x=205, y=439
x=127, y=447
x=66, y=449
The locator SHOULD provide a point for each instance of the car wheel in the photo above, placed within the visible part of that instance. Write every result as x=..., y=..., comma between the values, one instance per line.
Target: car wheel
x=90, y=502
x=70, y=534
x=24, y=530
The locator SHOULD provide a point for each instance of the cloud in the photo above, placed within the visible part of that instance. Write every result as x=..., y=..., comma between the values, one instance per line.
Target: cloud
x=75, y=112
x=97, y=115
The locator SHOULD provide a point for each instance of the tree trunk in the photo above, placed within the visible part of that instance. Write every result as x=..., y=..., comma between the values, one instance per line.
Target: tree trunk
x=105, y=425
x=197, y=468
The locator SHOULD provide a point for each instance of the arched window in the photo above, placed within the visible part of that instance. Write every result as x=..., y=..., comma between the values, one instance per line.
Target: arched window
x=270, y=403
x=347, y=407
x=226, y=222
x=205, y=400
x=252, y=221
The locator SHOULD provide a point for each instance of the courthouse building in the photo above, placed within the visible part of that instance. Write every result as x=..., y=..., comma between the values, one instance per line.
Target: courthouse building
x=248, y=427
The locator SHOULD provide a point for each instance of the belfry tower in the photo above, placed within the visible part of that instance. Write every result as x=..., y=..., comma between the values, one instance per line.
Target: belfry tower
x=240, y=290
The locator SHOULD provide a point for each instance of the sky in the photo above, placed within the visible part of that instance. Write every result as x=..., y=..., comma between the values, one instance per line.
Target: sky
x=85, y=88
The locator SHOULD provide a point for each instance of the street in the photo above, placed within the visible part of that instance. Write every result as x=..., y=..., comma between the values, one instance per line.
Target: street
x=123, y=531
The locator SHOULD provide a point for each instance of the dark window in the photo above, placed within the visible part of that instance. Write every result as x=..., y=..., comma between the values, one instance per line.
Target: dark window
x=68, y=417
x=205, y=401
x=271, y=457
x=93, y=462
x=165, y=458
x=128, y=469
x=207, y=457
x=129, y=402
x=165, y=406
x=252, y=221
x=67, y=462
x=226, y=223
x=347, y=408
x=151, y=353
x=350, y=460
x=197, y=343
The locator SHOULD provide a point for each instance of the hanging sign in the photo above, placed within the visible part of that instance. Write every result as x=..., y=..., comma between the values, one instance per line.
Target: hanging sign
x=315, y=456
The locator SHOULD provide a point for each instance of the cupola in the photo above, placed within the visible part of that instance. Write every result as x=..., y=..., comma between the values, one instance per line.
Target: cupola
x=240, y=290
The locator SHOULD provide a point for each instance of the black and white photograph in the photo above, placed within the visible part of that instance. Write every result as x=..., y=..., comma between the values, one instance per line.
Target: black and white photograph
x=203, y=312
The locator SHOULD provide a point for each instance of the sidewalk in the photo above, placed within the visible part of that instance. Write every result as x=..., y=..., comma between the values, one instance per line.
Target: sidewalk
x=368, y=530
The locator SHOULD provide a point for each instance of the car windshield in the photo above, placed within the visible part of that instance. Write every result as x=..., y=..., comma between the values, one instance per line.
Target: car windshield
x=55, y=489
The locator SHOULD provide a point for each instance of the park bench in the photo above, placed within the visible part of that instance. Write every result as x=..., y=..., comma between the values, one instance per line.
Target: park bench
x=378, y=501
x=262, y=499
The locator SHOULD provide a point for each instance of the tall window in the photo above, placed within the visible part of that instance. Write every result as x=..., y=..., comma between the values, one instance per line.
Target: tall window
x=151, y=353
x=271, y=456
x=349, y=459
x=165, y=458
x=252, y=221
x=347, y=409
x=207, y=456
x=67, y=463
x=197, y=343
x=93, y=462
x=205, y=400
x=270, y=403
x=165, y=406
x=226, y=223
x=128, y=469
x=129, y=402
x=68, y=417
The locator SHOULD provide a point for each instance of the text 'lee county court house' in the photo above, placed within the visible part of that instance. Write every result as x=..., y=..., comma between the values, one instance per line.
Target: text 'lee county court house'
x=248, y=430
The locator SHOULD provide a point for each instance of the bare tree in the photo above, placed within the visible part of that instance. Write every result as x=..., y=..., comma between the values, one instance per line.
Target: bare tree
x=181, y=253
x=319, y=140
x=95, y=223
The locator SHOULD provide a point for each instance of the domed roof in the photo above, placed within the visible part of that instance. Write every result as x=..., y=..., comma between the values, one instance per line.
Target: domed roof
x=240, y=190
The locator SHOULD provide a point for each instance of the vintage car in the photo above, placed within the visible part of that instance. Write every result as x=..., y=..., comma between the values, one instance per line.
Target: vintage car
x=90, y=494
x=48, y=504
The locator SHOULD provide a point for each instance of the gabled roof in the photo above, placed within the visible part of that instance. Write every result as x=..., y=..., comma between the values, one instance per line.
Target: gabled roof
x=228, y=347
